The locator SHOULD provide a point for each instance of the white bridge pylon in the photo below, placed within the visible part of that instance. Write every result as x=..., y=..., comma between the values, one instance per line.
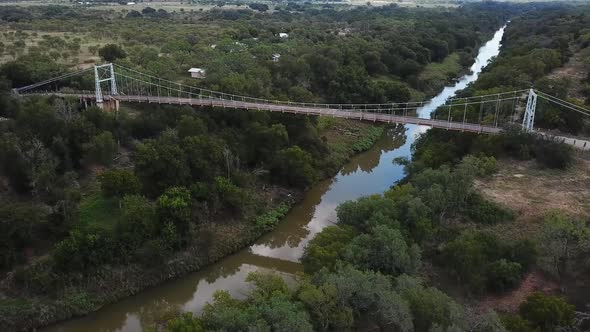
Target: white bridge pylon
x=528, y=120
x=104, y=73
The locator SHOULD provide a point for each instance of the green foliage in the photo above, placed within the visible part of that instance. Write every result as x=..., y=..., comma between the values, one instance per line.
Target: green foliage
x=367, y=141
x=19, y=228
x=429, y=306
x=270, y=219
x=383, y=249
x=564, y=240
x=515, y=323
x=293, y=166
x=111, y=52
x=483, y=211
x=481, y=260
x=118, y=183
x=138, y=221
x=174, y=207
x=185, y=323
x=102, y=149
x=85, y=250
x=503, y=275
x=547, y=312
x=327, y=248
x=554, y=154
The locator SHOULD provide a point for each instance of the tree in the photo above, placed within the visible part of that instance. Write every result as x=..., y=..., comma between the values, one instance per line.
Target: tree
x=174, y=206
x=293, y=166
x=261, y=7
x=564, y=239
x=102, y=149
x=327, y=248
x=161, y=164
x=19, y=223
x=118, y=183
x=148, y=11
x=138, y=221
x=429, y=306
x=547, y=312
x=185, y=323
x=112, y=52
x=385, y=250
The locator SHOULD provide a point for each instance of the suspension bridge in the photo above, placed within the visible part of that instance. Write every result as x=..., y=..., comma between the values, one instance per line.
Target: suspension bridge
x=114, y=83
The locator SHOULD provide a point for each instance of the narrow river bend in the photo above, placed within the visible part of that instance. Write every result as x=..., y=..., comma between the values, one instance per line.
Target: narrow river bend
x=372, y=172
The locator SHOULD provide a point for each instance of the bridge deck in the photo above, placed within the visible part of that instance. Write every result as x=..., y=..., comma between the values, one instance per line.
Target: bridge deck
x=285, y=108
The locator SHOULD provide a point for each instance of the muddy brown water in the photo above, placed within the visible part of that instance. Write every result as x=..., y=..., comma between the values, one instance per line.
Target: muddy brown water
x=371, y=172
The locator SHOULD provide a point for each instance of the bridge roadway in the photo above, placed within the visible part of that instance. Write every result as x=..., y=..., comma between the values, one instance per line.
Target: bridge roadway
x=286, y=108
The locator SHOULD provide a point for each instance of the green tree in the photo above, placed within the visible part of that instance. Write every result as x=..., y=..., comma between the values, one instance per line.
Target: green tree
x=185, y=323
x=137, y=222
x=174, y=206
x=429, y=306
x=111, y=52
x=118, y=183
x=385, y=250
x=294, y=167
x=327, y=248
x=547, y=312
x=102, y=149
x=564, y=239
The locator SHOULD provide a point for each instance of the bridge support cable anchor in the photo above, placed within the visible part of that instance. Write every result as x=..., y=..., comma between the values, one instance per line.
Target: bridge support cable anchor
x=528, y=120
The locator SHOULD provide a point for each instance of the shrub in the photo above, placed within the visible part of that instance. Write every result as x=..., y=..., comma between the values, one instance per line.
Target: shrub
x=327, y=247
x=84, y=250
x=515, y=323
x=554, y=154
x=503, y=274
x=547, y=312
x=483, y=211
x=101, y=149
x=268, y=220
x=118, y=183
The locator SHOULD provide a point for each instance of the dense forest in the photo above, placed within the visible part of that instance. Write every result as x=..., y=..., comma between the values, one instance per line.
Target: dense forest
x=95, y=205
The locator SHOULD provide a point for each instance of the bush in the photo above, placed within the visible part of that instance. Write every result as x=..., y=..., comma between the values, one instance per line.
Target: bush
x=327, y=247
x=554, y=154
x=268, y=220
x=84, y=250
x=483, y=211
x=503, y=274
x=547, y=312
x=102, y=149
x=118, y=183
x=174, y=206
x=515, y=323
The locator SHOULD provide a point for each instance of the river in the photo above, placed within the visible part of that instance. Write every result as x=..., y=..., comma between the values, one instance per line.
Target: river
x=371, y=172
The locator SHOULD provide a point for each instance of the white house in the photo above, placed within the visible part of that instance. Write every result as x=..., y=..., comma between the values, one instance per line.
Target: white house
x=283, y=35
x=130, y=3
x=197, y=72
x=276, y=57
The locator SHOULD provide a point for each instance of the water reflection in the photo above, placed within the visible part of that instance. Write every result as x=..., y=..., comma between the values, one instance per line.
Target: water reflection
x=369, y=173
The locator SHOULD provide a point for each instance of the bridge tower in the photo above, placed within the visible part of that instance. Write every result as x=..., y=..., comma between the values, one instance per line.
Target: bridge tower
x=528, y=120
x=104, y=73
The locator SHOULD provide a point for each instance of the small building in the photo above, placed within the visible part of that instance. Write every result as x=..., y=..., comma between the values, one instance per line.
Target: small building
x=276, y=57
x=130, y=3
x=283, y=35
x=197, y=72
